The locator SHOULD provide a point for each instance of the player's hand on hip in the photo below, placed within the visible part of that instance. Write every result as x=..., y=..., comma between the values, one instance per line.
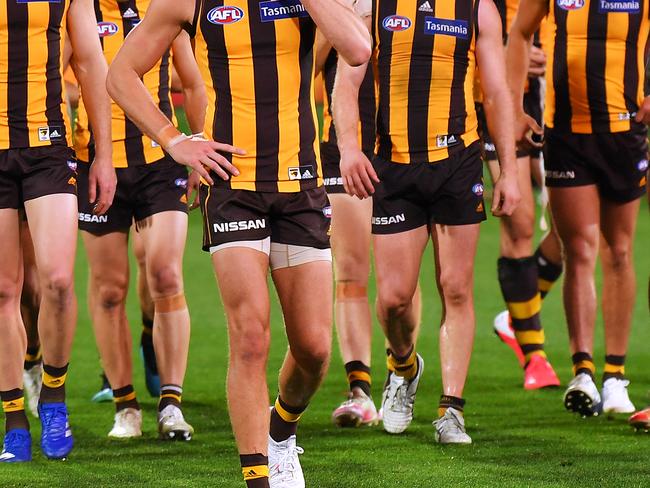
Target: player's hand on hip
x=102, y=182
x=203, y=156
x=193, y=184
x=643, y=114
x=526, y=128
x=506, y=195
x=537, y=63
x=358, y=174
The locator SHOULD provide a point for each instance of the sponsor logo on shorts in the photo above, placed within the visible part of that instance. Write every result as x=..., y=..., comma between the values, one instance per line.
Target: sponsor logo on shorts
x=337, y=181
x=327, y=211
x=570, y=4
x=447, y=140
x=489, y=147
x=302, y=173
x=561, y=175
x=446, y=27
x=239, y=225
x=396, y=23
x=226, y=14
x=630, y=7
x=106, y=29
x=480, y=207
x=642, y=165
x=478, y=190
x=49, y=132
x=96, y=219
x=181, y=182
x=72, y=165
x=393, y=219
x=72, y=181
x=282, y=9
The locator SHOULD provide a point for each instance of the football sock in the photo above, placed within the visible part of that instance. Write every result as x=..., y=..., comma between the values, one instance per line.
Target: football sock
x=547, y=273
x=284, y=420
x=125, y=398
x=583, y=363
x=255, y=468
x=614, y=367
x=146, y=341
x=448, y=401
x=406, y=366
x=33, y=357
x=53, y=389
x=358, y=376
x=170, y=395
x=518, y=281
x=13, y=405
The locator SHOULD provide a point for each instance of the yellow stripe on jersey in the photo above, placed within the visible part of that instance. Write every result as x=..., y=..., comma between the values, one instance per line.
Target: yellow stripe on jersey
x=32, y=112
x=425, y=65
x=130, y=147
x=258, y=66
x=595, y=65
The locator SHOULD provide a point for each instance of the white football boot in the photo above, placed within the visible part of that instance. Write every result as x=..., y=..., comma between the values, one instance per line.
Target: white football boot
x=450, y=428
x=172, y=425
x=128, y=424
x=615, y=396
x=398, y=400
x=284, y=466
x=582, y=396
x=32, y=382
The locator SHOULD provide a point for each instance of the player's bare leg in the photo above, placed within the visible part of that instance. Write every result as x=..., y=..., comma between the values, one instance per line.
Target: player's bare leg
x=164, y=235
x=577, y=216
x=618, y=226
x=247, y=311
x=14, y=339
x=152, y=378
x=350, y=240
x=30, y=302
x=397, y=266
x=518, y=278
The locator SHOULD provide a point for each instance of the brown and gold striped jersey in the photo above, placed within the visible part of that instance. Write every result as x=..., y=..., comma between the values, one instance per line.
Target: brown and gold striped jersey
x=32, y=110
x=425, y=61
x=115, y=19
x=367, y=109
x=257, y=60
x=596, y=69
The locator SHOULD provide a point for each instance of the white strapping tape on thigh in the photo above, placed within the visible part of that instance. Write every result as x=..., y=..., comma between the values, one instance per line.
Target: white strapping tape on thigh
x=261, y=245
x=288, y=255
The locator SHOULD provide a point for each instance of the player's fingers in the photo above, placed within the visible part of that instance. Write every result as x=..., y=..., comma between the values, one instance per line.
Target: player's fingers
x=223, y=163
x=347, y=187
x=205, y=174
x=496, y=200
x=370, y=170
x=640, y=115
x=92, y=189
x=367, y=184
x=218, y=146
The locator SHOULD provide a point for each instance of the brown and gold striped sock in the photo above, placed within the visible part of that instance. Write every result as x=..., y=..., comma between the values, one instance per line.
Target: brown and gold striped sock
x=583, y=363
x=13, y=405
x=548, y=273
x=53, y=389
x=125, y=397
x=170, y=395
x=255, y=468
x=359, y=376
x=284, y=420
x=614, y=367
x=406, y=366
x=448, y=401
x=33, y=357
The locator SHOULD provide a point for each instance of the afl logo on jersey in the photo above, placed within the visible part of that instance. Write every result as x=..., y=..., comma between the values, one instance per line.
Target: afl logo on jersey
x=396, y=23
x=225, y=14
x=105, y=29
x=570, y=4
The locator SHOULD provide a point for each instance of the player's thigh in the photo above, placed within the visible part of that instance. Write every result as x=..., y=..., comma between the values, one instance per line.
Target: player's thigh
x=108, y=261
x=618, y=226
x=350, y=237
x=576, y=214
x=455, y=252
x=521, y=224
x=11, y=272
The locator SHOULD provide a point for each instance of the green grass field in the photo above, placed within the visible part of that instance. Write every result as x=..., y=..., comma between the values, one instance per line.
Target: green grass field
x=520, y=438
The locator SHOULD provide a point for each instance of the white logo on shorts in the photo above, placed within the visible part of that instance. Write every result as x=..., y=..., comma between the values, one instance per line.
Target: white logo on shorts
x=393, y=219
x=239, y=225
x=642, y=165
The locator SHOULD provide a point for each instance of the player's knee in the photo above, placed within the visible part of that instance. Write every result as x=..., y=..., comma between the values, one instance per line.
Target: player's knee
x=456, y=288
x=352, y=267
x=394, y=302
x=9, y=296
x=618, y=257
x=315, y=358
x=249, y=342
x=166, y=280
x=57, y=286
x=580, y=252
x=112, y=295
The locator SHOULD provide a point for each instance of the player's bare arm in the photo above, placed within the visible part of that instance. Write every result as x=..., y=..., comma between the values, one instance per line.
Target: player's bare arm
x=356, y=170
x=322, y=49
x=643, y=114
x=527, y=21
x=342, y=27
x=90, y=68
x=194, y=95
x=163, y=23
x=498, y=108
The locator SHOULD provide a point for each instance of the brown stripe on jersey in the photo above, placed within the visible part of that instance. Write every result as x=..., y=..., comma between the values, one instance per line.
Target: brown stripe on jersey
x=306, y=122
x=54, y=82
x=561, y=118
x=329, y=75
x=265, y=69
x=17, y=62
x=132, y=134
x=164, y=101
x=418, y=90
x=595, y=66
x=368, y=112
x=631, y=70
x=215, y=42
x=458, y=104
x=383, y=41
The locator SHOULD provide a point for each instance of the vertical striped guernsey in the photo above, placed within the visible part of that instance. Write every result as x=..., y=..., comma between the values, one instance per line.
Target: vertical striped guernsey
x=257, y=60
x=595, y=64
x=367, y=108
x=424, y=60
x=130, y=147
x=32, y=111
